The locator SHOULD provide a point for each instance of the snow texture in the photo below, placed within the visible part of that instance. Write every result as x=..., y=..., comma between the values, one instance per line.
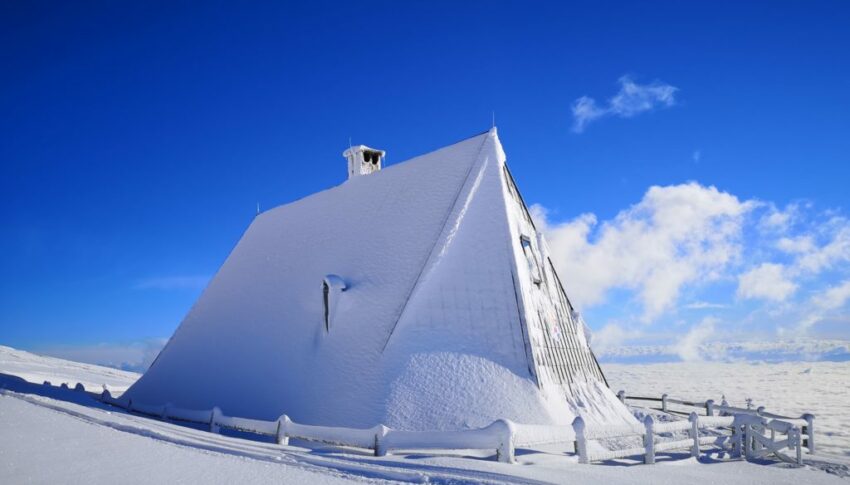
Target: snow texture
x=64, y=436
x=39, y=368
x=439, y=326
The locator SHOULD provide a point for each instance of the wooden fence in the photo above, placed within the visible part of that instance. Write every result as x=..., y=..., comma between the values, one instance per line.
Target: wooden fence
x=755, y=433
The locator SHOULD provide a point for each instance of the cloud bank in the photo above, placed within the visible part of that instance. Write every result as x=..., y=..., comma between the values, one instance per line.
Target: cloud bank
x=693, y=261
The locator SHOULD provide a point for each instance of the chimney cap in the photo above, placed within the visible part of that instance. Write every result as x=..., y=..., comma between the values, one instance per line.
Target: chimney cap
x=363, y=160
x=360, y=149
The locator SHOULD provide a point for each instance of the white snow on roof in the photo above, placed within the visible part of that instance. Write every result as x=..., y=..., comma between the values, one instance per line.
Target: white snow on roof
x=426, y=334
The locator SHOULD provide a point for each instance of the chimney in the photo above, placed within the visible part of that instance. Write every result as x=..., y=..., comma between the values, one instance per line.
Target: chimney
x=363, y=160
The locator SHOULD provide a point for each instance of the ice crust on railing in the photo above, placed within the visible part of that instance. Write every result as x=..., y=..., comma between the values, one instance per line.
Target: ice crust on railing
x=715, y=421
x=672, y=426
x=673, y=445
x=360, y=438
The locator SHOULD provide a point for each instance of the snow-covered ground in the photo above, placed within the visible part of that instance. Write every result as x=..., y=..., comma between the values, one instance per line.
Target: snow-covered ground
x=40, y=368
x=787, y=388
x=50, y=435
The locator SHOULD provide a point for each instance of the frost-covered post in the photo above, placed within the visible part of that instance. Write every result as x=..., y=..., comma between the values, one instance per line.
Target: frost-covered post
x=581, y=442
x=214, y=415
x=694, y=419
x=649, y=440
x=810, y=432
x=748, y=440
x=505, y=449
x=622, y=396
x=737, y=444
x=709, y=407
x=380, y=446
x=664, y=402
x=799, y=444
x=282, y=436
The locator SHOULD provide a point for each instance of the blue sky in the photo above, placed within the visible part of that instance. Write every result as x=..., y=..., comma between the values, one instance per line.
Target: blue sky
x=138, y=139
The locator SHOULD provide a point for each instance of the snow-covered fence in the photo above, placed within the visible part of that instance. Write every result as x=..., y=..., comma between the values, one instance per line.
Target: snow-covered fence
x=531, y=435
x=805, y=422
x=694, y=441
x=499, y=436
x=666, y=401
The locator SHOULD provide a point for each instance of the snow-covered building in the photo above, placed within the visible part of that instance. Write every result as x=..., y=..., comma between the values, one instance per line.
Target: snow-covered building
x=419, y=296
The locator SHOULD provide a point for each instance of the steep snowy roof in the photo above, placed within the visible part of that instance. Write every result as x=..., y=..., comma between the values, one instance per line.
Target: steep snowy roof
x=426, y=334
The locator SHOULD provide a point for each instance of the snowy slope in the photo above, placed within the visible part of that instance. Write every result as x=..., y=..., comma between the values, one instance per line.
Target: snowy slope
x=52, y=440
x=39, y=368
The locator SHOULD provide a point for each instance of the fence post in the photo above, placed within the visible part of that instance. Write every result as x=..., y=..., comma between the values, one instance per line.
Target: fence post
x=505, y=451
x=649, y=441
x=581, y=442
x=106, y=396
x=799, y=434
x=214, y=415
x=694, y=419
x=737, y=442
x=810, y=432
x=281, y=435
x=380, y=440
x=709, y=407
x=664, y=402
x=622, y=396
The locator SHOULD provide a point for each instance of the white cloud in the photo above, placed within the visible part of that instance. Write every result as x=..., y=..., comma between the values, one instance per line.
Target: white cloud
x=821, y=304
x=767, y=281
x=631, y=100
x=674, y=236
x=691, y=346
x=172, y=283
x=702, y=305
x=611, y=336
x=776, y=220
x=834, y=297
x=796, y=245
x=837, y=250
x=696, y=156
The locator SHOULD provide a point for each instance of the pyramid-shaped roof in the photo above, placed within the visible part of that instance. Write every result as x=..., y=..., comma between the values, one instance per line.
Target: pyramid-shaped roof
x=419, y=296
